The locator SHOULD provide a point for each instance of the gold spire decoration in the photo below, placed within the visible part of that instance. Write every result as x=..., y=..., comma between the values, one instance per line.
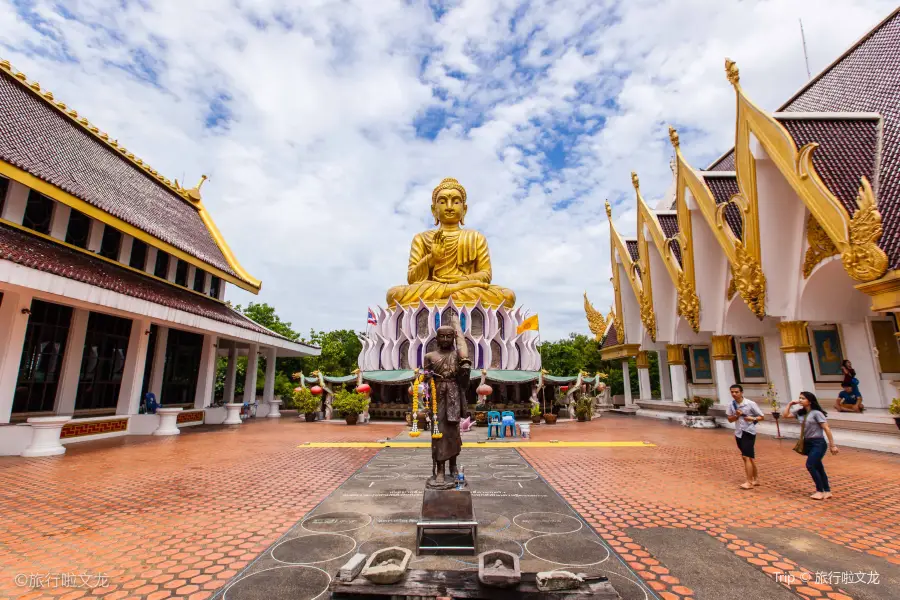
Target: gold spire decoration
x=820, y=246
x=863, y=259
x=596, y=322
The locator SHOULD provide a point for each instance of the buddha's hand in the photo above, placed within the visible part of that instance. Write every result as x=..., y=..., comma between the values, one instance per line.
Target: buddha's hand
x=465, y=285
x=437, y=248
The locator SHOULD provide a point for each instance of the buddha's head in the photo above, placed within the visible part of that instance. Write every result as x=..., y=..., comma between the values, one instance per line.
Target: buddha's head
x=446, y=336
x=448, y=203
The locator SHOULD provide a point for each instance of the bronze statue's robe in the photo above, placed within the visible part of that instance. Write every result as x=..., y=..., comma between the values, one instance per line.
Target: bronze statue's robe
x=451, y=380
x=463, y=271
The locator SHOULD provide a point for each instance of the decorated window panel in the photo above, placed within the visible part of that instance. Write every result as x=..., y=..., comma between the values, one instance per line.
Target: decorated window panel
x=885, y=342
x=477, y=323
x=496, y=354
x=827, y=351
x=701, y=364
x=404, y=355
x=751, y=359
x=422, y=323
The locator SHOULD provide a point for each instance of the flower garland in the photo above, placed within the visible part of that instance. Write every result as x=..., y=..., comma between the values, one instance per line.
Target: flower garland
x=415, y=408
x=435, y=431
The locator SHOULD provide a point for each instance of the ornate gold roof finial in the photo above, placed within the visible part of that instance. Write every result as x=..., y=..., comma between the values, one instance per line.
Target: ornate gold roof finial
x=635, y=182
x=731, y=71
x=446, y=184
x=673, y=137
x=193, y=194
x=608, y=210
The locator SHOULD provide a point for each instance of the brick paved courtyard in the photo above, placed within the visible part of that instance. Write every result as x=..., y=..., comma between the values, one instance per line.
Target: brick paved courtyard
x=180, y=517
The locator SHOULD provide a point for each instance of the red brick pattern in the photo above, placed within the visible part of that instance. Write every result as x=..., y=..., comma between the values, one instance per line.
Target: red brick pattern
x=172, y=517
x=72, y=430
x=190, y=416
x=691, y=475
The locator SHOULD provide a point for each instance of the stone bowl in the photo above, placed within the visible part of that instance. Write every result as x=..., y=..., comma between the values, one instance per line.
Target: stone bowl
x=488, y=574
x=382, y=574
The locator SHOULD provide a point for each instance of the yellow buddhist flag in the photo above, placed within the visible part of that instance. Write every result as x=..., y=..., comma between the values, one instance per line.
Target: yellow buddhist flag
x=529, y=324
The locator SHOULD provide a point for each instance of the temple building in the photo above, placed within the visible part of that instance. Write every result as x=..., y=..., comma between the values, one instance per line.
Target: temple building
x=779, y=260
x=112, y=286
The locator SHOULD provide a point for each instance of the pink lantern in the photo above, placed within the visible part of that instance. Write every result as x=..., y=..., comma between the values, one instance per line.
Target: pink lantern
x=364, y=388
x=298, y=388
x=484, y=390
x=315, y=390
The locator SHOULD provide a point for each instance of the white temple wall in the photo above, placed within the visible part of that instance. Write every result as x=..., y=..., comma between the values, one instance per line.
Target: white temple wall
x=829, y=295
x=858, y=349
x=664, y=296
x=634, y=327
x=775, y=367
x=711, y=269
x=782, y=217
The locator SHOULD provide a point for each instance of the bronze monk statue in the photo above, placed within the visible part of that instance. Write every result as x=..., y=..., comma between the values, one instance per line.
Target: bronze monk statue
x=449, y=260
x=450, y=368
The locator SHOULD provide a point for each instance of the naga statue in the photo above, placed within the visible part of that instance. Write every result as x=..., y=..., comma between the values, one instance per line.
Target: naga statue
x=450, y=260
x=329, y=394
x=573, y=394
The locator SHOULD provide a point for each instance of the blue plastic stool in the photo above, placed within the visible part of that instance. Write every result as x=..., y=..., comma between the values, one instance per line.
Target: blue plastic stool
x=494, y=422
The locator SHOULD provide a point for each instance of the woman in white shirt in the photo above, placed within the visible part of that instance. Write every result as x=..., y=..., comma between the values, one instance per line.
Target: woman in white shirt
x=815, y=428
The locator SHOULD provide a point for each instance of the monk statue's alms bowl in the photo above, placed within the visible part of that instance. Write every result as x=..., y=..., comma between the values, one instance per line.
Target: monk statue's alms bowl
x=450, y=261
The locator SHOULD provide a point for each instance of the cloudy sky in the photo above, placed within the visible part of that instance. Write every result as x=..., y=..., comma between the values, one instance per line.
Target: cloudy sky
x=325, y=124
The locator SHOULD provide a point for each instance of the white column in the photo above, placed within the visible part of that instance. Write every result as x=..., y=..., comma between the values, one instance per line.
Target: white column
x=230, y=375
x=151, y=259
x=125, y=249
x=173, y=267
x=250, y=377
x=221, y=289
x=724, y=370
x=71, y=366
x=665, y=387
x=644, y=387
x=59, y=223
x=795, y=346
x=192, y=270
x=158, y=367
x=95, y=239
x=207, y=280
x=135, y=361
x=269, y=389
x=626, y=378
x=678, y=375
x=16, y=199
x=13, y=324
x=206, y=379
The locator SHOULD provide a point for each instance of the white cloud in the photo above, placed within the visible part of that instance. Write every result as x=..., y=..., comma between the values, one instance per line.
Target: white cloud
x=318, y=180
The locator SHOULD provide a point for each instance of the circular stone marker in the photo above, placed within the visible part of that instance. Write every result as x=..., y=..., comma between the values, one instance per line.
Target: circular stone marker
x=336, y=522
x=314, y=549
x=548, y=522
x=394, y=466
x=515, y=476
x=566, y=550
x=297, y=582
x=509, y=465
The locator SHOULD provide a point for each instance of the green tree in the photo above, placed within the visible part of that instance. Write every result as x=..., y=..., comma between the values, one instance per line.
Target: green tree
x=265, y=316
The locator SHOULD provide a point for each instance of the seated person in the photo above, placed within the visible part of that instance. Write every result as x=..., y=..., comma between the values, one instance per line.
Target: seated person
x=848, y=401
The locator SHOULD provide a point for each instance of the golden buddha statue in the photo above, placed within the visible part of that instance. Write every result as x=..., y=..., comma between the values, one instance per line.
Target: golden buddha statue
x=449, y=261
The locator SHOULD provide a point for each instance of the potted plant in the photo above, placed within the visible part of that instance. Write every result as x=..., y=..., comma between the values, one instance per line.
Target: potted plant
x=703, y=404
x=350, y=404
x=307, y=404
x=894, y=409
x=481, y=411
x=535, y=413
x=549, y=418
x=691, y=405
x=583, y=409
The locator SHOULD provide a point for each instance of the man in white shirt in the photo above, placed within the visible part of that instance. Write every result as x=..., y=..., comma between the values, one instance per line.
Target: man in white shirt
x=745, y=414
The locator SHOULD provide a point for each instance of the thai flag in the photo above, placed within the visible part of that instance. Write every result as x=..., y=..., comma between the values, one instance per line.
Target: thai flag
x=372, y=320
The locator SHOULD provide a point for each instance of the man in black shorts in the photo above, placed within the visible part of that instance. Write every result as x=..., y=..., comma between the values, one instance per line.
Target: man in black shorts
x=745, y=414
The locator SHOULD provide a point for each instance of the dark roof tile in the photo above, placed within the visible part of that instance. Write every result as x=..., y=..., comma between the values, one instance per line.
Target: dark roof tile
x=669, y=224
x=36, y=138
x=44, y=255
x=723, y=188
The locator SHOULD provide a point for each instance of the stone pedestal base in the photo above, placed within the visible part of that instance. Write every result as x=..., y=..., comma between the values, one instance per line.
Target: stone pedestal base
x=232, y=413
x=699, y=421
x=274, y=405
x=45, y=436
x=168, y=421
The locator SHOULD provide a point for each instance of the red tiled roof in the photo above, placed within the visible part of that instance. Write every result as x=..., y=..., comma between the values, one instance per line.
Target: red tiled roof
x=44, y=255
x=848, y=150
x=723, y=163
x=36, y=138
x=867, y=79
x=723, y=188
x=669, y=224
x=611, y=338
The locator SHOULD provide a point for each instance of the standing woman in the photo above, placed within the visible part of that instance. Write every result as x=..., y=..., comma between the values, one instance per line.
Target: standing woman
x=815, y=427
